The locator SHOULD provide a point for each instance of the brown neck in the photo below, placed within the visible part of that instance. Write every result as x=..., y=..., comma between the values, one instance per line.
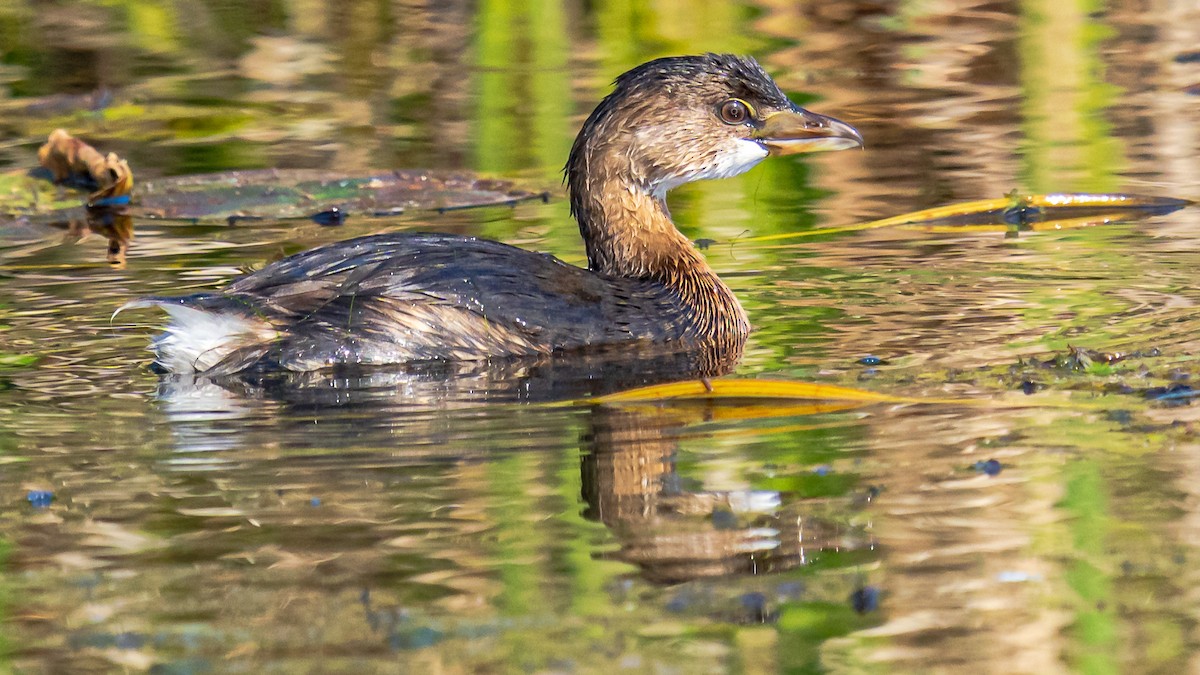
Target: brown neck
x=628, y=232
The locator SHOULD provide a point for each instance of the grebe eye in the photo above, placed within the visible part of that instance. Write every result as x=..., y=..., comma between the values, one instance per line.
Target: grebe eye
x=736, y=111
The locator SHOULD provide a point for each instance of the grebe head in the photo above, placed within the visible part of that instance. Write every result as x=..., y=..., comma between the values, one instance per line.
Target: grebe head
x=669, y=122
x=683, y=118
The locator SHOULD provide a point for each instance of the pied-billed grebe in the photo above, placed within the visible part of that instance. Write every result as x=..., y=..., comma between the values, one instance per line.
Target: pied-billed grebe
x=395, y=298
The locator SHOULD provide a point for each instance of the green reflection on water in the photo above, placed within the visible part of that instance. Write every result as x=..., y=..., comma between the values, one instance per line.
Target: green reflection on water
x=1095, y=624
x=1068, y=144
x=587, y=573
x=153, y=26
x=518, y=543
x=6, y=647
x=501, y=125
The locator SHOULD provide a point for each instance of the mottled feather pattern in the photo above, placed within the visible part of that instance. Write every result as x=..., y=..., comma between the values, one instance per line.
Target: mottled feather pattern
x=436, y=297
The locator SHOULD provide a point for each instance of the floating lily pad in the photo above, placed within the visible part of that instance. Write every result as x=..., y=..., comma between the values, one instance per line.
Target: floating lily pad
x=304, y=193
x=292, y=193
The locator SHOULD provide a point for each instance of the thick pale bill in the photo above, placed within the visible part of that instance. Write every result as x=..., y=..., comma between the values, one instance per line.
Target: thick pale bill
x=790, y=132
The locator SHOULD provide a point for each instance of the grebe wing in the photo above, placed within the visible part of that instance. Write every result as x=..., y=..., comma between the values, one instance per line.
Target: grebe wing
x=395, y=298
x=403, y=298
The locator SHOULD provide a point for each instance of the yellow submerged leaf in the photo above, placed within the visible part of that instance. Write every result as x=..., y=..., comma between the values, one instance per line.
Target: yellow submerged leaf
x=1028, y=212
x=701, y=411
x=751, y=388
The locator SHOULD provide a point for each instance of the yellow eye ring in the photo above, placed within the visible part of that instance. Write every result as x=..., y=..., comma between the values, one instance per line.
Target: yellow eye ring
x=736, y=111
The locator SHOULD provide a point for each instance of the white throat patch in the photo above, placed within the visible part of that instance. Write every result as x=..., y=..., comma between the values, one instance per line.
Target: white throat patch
x=743, y=156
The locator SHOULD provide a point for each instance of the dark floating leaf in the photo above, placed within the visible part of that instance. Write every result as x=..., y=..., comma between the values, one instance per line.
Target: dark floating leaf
x=724, y=519
x=1175, y=393
x=990, y=467
x=40, y=499
x=129, y=640
x=419, y=637
x=756, y=608
x=294, y=194
x=868, y=495
x=789, y=590
x=865, y=599
x=233, y=221
x=1122, y=417
x=331, y=218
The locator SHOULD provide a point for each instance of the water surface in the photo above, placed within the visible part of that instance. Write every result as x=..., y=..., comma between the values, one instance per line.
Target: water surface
x=439, y=520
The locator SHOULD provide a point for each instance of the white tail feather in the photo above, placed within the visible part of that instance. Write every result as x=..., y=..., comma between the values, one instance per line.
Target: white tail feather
x=197, y=339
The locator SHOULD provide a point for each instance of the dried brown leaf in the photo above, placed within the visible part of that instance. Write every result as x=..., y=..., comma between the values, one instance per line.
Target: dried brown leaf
x=64, y=155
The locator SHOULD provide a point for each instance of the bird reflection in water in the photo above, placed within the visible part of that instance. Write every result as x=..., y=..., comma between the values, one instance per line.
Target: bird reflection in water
x=111, y=222
x=628, y=454
x=672, y=534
